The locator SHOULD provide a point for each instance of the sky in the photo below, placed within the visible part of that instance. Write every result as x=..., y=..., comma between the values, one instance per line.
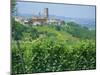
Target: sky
x=64, y=10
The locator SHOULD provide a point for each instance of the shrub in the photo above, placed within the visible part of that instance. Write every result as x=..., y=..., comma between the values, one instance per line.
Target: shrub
x=48, y=55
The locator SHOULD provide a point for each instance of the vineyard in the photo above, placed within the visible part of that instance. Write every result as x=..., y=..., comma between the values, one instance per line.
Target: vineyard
x=52, y=48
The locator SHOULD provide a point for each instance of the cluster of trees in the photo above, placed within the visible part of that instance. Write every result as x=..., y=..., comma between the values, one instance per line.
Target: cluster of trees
x=80, y=32
x=77, y=30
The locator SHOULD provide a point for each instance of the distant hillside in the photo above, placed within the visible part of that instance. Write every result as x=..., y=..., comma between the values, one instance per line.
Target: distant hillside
x=90, y=23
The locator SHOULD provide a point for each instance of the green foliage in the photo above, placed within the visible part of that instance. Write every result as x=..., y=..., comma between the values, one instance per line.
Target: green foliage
x=47, y=55
x=51, y=48
x=20, y=32
x=80, y=32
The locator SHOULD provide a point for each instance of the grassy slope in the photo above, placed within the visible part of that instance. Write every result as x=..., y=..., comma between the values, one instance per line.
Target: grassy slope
x=62, y=35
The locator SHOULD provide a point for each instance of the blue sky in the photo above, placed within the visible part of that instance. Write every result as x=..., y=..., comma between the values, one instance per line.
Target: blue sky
x=73, y=11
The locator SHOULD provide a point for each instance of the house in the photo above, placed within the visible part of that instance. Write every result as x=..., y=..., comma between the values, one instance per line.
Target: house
x=39, y=21
x=55, y=21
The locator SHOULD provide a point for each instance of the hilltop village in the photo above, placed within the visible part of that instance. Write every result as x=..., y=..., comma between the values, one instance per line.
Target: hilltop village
x=40, y=19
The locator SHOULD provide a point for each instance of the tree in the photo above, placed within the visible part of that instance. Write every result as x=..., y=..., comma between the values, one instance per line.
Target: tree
x=13, y=4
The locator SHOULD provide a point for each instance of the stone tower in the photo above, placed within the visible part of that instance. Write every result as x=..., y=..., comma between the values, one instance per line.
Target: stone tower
x=46, y=12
